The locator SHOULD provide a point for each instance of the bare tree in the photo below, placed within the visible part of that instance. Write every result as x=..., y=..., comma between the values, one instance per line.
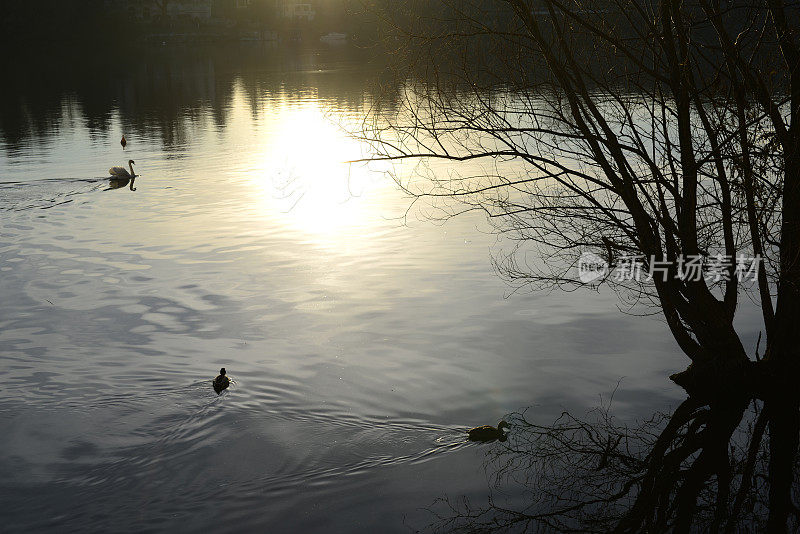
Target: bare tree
x=663, y=129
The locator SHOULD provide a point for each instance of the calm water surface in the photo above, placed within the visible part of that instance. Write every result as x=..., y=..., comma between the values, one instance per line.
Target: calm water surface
x=360, y=347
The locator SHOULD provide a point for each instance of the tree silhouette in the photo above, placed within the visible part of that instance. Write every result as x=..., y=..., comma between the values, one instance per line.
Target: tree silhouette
x=662, y=130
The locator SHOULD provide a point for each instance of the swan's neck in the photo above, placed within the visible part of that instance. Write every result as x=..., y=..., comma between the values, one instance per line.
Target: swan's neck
x=133, y=174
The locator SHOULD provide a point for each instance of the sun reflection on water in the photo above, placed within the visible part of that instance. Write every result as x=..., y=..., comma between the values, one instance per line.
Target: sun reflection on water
x=305, y=180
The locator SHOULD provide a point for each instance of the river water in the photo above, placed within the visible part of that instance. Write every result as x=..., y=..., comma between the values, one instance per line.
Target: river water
x=361, y=345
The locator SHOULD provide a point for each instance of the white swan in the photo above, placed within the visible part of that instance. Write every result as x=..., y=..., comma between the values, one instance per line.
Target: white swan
x=121, y=173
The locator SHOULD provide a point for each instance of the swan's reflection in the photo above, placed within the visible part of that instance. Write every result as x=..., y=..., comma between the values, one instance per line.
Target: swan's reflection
x=117, y=182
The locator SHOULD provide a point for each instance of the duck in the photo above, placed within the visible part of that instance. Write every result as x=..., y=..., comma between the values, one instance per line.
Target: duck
x=488, y=432
x=221, y=382
x=123, y=142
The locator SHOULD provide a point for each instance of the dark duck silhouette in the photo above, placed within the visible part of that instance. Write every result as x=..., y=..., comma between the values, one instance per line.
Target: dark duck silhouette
x=221, y=382
x=488, y=432
x=123, y=142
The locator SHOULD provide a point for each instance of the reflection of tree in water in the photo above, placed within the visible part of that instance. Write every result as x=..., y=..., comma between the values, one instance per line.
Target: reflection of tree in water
x=700, y=468
x=166, y=91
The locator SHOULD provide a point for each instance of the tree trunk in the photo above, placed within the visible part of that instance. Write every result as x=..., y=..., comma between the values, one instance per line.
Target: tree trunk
x=784, y=426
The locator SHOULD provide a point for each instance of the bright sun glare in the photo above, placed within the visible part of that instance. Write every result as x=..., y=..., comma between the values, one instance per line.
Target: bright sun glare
x=309, y=181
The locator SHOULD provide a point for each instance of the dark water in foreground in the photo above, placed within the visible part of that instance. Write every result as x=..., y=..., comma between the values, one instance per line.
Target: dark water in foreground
x=360, y=347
